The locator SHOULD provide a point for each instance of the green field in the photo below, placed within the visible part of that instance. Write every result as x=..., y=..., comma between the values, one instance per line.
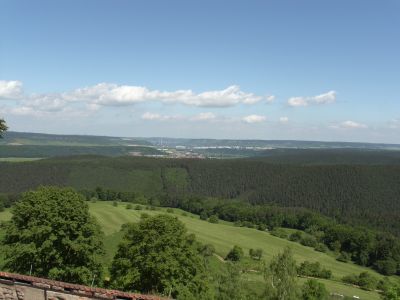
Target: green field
x=223, y=236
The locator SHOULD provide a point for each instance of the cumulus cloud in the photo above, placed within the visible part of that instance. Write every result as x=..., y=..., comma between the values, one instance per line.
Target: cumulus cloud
x=326, y=98
x=10, y=89
x=254, y=119
x=349, y=125
x=159, y=117
x=107, y=94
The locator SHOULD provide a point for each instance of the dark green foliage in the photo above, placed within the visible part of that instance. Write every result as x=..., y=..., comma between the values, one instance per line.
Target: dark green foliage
x=279, y=232
x=364, y=280
x=321, y=248
x=52, y=232
x=230, y=285
x=170, y=210
x=313, y=269
x=138, y=207
x=203, y=216
x=256, y=253
x=343, y=257
x=213, y=219
x=387, y=267
x=157, y=255
x=115, y=203
x=128, y=206
x=314, y=290
x=207, y=249
x=308, y=241
x=296, y=236
x=236, y=254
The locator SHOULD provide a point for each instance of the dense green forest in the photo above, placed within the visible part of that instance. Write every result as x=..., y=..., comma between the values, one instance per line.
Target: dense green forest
x=41, y=151
x=355, y=194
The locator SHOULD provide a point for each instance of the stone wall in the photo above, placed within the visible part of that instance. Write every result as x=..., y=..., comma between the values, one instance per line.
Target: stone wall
x=22, y=287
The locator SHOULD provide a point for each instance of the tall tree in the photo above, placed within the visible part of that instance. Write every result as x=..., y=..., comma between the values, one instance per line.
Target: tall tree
x=3, y=127
x=280, y=277
x=51, y=234
x=157, y=255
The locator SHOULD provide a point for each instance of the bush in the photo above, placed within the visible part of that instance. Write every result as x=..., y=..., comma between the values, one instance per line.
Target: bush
x=235, y=254
x=238, y=224
x=203, y=216
x=184, y=214
x=279, y=232
x=314, y=290
x=262, y=227
x=296, y=236
x=128, y=206
x=343, y=257
x=321, y=248
x=207, y=249
x=256, y=253
x=170, y=210
x=213, y=219
x=308, y=241
x=115, y=204
x=138, y=207
x=365, y=280
x=313, y=269
x=386, y=267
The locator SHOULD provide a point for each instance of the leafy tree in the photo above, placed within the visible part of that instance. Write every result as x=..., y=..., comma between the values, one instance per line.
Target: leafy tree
x=314, y=290
x=203, y=216
x=52, y=234
x=280, y=277
x=3, y=127
x=235, y=254
x=230, y=285
x=157, y=255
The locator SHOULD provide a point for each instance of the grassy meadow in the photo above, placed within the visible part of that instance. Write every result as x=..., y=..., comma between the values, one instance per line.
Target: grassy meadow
x=223, y=236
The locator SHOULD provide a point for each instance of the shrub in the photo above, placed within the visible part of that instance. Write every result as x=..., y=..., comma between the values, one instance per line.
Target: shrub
x=314, y=290
x=313, y=269
x=308, y=241
x=256, y=253
x=343, y=257
x=235, y=254
x=279, y=232
x=262, y=227
x=115, y=204
x=129, y=206
x=144, y=215
x=138, y=207
x=207, y=249
x=296, y=236
x=321, y=248
x=170, y=210
x=184, y=214
x=365, y=280
x=213, y=219
x=238, y=224
x=203, y=216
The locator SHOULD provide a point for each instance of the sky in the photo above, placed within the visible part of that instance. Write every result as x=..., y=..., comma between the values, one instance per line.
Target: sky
x=303, y=70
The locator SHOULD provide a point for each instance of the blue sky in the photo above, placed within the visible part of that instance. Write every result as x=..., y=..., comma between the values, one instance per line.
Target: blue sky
x=308, y=70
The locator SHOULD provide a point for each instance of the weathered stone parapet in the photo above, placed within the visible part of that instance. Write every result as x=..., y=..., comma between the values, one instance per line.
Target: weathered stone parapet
x=22, y=287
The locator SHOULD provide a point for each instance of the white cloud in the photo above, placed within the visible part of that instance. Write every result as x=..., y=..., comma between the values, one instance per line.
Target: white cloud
x=11, y=89
x=113, y=95
x=158, y=117
x=326, y=98
x=283, y=119
x=254, y=119
x=349, y=125
x=206, y=116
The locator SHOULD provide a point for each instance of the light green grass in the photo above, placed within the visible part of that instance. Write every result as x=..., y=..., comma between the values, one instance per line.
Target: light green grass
x=223, y=236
